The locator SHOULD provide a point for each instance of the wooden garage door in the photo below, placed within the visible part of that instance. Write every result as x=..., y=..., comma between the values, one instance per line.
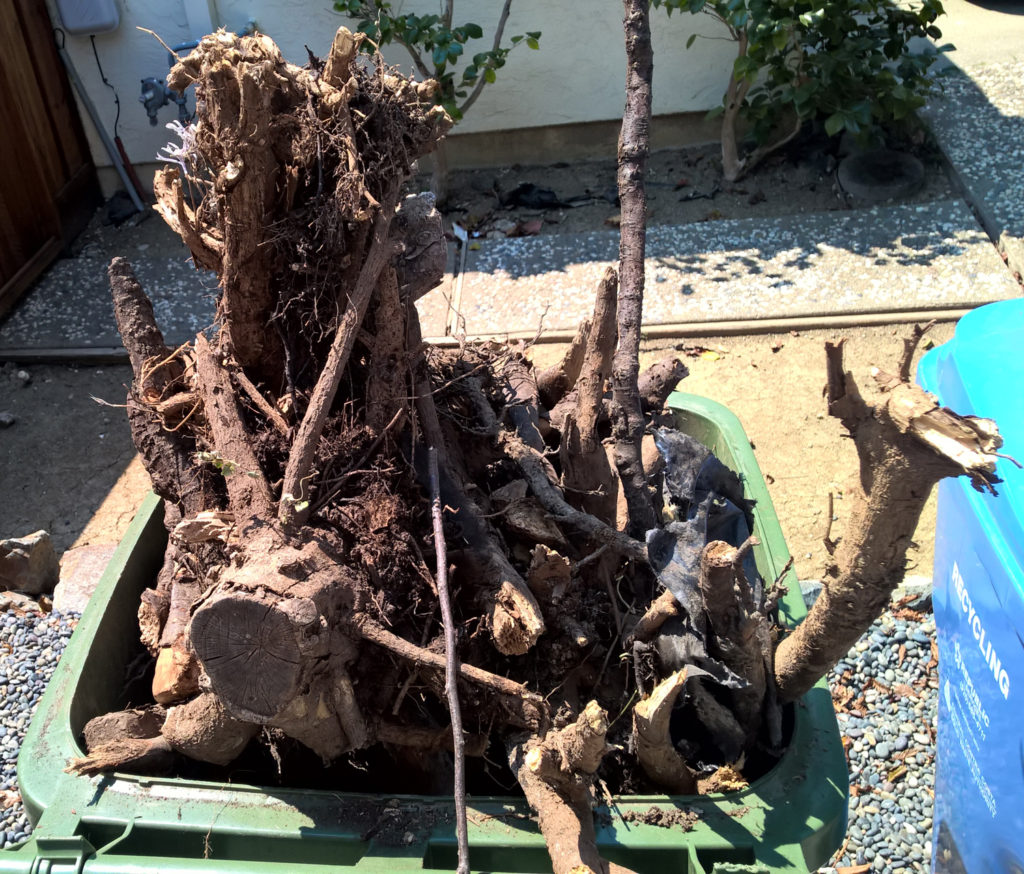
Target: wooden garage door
x=48, y=183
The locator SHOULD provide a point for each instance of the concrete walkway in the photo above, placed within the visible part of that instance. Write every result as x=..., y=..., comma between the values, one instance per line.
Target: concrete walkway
x=931, y=256
x=979, y=125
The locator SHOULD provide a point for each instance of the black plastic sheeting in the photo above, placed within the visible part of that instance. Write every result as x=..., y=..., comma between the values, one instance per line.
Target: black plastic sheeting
x=706, y=500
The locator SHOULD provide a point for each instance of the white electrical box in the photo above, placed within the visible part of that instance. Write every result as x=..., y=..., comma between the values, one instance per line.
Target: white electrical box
x=88, y=16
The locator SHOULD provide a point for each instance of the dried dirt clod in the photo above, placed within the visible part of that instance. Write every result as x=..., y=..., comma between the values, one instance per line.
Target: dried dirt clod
x=29, y=564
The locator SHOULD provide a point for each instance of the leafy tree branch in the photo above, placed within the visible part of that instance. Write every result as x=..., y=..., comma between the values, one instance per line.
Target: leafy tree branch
x=436, y=46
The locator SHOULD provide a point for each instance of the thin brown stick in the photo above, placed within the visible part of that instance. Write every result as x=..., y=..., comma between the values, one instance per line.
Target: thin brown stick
x=377, y=634
x=300, y=459
x=451, y=663
x=634, y=146
x=910, y=345
x=256, y=396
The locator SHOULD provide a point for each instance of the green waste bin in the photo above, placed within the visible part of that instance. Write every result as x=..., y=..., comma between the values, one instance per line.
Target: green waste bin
x=791, y=819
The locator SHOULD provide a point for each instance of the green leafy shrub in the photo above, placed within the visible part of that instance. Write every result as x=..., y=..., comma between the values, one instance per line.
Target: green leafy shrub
x=847, y=63
x=437, y=46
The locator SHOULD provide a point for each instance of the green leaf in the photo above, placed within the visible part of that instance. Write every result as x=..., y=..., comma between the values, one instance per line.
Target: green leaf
x=834, y=124
x=779, y=39
x=475, y=31
x=532, y=42
x=440, y=55
x=714, y=113
x=490, y=75
x=691, y=40
x=534, y=34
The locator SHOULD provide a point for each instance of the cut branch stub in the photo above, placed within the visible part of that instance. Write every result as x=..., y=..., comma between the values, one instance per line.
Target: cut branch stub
x=906, y=443
x=557, y=775
x=264, y=631
x=248, y=649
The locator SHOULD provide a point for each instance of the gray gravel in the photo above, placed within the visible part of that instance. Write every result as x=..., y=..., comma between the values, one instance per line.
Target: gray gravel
x=31, y=645
x=890, y=819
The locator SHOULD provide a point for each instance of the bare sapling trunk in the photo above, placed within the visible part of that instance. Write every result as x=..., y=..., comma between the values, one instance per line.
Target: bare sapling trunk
x=906, y=443
x=634, y=146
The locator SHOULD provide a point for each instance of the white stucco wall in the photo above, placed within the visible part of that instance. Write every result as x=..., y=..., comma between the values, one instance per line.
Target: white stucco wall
x=576, y=76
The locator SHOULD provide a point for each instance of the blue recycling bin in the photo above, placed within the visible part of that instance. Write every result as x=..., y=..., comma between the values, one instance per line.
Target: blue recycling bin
x=979, y=607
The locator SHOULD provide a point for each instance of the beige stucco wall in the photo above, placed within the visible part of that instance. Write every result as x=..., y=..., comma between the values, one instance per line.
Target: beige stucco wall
x=576, y=76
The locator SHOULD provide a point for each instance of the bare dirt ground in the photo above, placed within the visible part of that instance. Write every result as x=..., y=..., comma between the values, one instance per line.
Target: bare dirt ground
x=683, y=186
x=67, y=458
x=67, y=464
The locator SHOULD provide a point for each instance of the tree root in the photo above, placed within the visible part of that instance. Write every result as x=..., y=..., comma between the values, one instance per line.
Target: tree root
x=529, y=706
x=152, y=755
x=654, y=748
x=662, y=608
x=906, y=443
x=514, y=616
x=557, y=775
x=533, y=466
x=554, y=383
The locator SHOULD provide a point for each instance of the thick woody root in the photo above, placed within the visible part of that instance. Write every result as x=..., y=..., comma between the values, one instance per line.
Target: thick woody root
x=906, y=443
x=555, y=382
x=586, y=470
x=739, y=634
x=654, y=748
x=513, y=614
x=557, y=775
x=661, y=609
x=145, y=741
